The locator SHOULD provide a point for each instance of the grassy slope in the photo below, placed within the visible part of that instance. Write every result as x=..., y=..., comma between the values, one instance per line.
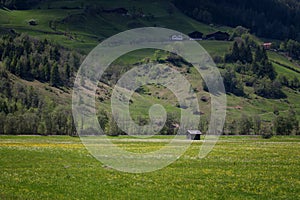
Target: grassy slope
x=237, y=168
x=89, y=30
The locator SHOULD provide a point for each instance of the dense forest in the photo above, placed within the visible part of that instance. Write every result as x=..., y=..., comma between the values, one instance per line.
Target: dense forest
x=22, y=108
x=277, y=19
x=18, y=4
x=32, y=59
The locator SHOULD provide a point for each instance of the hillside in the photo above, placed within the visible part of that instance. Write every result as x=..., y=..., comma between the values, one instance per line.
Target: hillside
x=83, y=24
x=74, y=28
x=277, y=19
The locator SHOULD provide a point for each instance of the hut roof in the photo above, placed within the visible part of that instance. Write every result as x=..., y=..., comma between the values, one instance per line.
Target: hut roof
x=194, y=132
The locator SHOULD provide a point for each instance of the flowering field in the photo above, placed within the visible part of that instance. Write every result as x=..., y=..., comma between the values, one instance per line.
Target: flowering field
x=237, y=168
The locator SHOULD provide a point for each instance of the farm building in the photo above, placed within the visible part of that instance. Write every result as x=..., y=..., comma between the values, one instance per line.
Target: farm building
x=196, y=35
x=267, y=45
x=32, y=22
x=176, y=37
x=219, y=35
x=193, y=135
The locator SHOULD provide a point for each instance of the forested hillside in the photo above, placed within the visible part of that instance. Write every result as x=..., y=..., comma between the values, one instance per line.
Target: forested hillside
x=32, y=59
x=43, y=43
x=19, y=4
x=24, y=108
x=277, y=19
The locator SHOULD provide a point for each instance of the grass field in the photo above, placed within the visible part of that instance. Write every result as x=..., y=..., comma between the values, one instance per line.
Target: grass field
x=238, y=168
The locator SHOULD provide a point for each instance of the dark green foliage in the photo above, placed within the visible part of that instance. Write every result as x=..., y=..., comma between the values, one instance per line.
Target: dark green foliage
x=268, y=89
x=261, y=65
x=103, y=119
x=260, y=72
x=267, y=132
x=2, y=122
x=232, y=127
x=202, y=15
x=283, y=80
x=293, y=83
x=260, y=55
x=245, y=125
x=239, y=31
x=5, y=83
x=264, y=69
x=240, y=53
x=3, y=107
x=31, y=59
x=54, y=76
x=267, y=18
x=177, y=60
x=292, y=48
x=169, y=128
x=286, y=125
x=19, y=4
x=257, y=125
x=203, y=125
x=114, y=129
x=235, y=54
x=24, y=111
x=232, y=83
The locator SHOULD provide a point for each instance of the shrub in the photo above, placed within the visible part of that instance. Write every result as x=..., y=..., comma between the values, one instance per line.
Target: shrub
x=267, y=132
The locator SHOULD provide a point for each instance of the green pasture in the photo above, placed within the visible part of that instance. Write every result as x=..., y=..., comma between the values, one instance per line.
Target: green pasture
x=77, y=30
x=216, y=48
x=34, y=167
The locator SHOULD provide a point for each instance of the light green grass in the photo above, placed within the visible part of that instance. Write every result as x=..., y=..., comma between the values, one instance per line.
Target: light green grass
x=216, y=47
x=237, y=168
x=282, y=60
x=290, y=74
x=89, y=30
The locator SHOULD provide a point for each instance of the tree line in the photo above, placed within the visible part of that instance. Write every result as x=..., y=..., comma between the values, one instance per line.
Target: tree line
x=281, y=125
x=244, y=125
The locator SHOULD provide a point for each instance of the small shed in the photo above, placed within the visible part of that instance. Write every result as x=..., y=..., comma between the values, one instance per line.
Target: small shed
x=267, y=45
x=193, y=135
x=176, y=37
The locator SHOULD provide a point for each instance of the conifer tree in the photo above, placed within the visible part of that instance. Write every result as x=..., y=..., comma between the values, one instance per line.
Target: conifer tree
x=54, y=76
x=248, y=55
x=235, y=52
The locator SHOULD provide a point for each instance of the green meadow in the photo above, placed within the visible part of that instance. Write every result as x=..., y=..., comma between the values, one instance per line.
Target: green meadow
x=60, y=167
x=239, y=167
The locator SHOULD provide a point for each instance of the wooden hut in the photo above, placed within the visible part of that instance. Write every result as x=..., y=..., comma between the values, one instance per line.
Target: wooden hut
x=193, y=135
x=219, y=35
x=196, y=35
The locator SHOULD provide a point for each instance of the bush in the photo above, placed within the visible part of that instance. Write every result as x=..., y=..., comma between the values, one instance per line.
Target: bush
x=267, y=132
x=267, y=135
